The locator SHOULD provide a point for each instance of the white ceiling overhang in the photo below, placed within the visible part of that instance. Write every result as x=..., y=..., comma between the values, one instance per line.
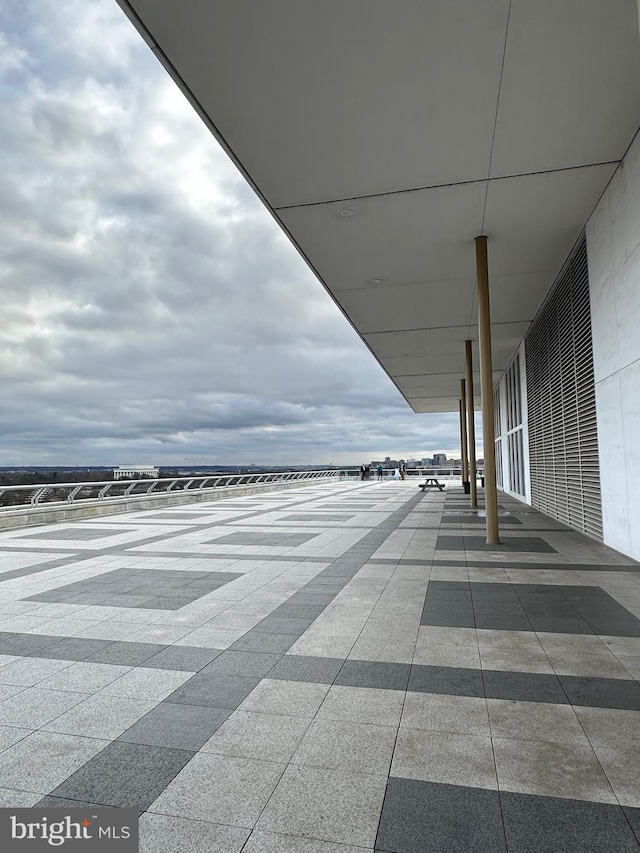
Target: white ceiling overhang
x=434, y=121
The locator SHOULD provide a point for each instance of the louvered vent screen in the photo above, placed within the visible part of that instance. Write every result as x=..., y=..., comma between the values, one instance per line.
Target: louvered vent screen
x=563, y=439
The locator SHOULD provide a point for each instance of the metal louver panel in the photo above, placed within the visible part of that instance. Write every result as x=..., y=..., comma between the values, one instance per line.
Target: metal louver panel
x=563, y=438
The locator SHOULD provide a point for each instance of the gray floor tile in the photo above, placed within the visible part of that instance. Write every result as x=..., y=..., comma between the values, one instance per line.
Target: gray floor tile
x=330, y=805
x=535, y=721
x=270, y=842
x=294, y=610
x=84, y=677
x=535, y=823
x=633, y=816
x=11, y=734
x=125, y=775
x=610, y=728
x=25, y=644
x=266, y=737
x=11, y=799
x=452, y=818
x=141, y=682
x=445, y=757
x=303, y=668
x=186, y=658
x=127, y=654
x=34, y=707
x=100, y=716
x=283, y=625
x=51, y=802
x=600, y=692
x=454, y=681
x=166, y=834
x=221, y=789
x=362, y=705
x=345, y=745
x=256, y=664
x=214, y=691
x=176, y=726
x=73, y=648
x=43, y=760
x=383, y=676
x=551, y=770
x=295, y=698
x=621, y=767
x=259, y=641
x=523, y=686
x=446, y=713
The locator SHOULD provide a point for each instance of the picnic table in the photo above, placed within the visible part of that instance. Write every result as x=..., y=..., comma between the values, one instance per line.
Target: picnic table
x=431, y=483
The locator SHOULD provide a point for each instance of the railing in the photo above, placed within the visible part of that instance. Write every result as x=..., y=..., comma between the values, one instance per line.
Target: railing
x=445, y=474
x=61, y=494
x=13, y=497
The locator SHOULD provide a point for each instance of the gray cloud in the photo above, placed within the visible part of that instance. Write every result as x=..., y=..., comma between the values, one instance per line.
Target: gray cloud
x=152, y=310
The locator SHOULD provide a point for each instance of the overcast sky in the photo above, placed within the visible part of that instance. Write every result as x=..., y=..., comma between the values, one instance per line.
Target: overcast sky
x=152, y=312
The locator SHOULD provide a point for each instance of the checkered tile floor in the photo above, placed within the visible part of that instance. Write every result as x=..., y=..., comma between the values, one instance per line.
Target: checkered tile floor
x=334, y=669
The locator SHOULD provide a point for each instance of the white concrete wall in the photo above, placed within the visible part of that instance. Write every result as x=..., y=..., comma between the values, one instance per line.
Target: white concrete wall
x=613, y=248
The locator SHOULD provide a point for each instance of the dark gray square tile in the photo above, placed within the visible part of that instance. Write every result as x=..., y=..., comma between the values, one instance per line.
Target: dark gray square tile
x=25, y=644
x=384, y=676
x=559, y=625
x=523, y=686
x=602, y=692
x=449, y=680
x=503, y=623
x=319, y=516
x=127, y=654
x=489, y=607
x=214, y=691
x=633, y=816
x=325, y=586
x=177, y=726
x=140, y=588
x=426, y=816
x=448, y=619
x=254, y=664
x=72, y=648
x=273, y=540
x=75, y=533
x=313, y=598
x=533, y=824
x=293, y=610
x=122, y=601
x=260, y=641
x=469, y=518
x=185, y=658
x=283, y=625
x=124, y=775
x=300, y=668
x=520, y=544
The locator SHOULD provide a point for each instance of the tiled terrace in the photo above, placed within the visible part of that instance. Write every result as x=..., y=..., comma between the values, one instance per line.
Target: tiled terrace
x=334, y=669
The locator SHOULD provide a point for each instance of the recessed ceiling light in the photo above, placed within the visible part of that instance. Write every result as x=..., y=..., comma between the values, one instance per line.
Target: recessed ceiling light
x=346, y=212
x=375, y=281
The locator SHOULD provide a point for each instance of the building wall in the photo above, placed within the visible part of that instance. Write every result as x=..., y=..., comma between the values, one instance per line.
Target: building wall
x=613, y=248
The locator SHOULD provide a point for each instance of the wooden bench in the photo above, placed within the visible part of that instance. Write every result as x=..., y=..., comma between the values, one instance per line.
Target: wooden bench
x=431, y=483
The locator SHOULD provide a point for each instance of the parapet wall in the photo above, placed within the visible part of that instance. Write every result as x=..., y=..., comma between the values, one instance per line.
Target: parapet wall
x=27, y=516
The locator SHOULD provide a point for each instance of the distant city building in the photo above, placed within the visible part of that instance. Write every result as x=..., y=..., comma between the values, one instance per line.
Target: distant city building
x=144, y=471
x=439, y=458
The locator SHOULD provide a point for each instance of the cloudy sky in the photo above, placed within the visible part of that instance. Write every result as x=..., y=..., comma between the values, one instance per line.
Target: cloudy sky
x=152, y=312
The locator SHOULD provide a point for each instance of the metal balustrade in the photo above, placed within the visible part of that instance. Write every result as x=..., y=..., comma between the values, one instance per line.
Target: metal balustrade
x=61, y=494
x=103, y=491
